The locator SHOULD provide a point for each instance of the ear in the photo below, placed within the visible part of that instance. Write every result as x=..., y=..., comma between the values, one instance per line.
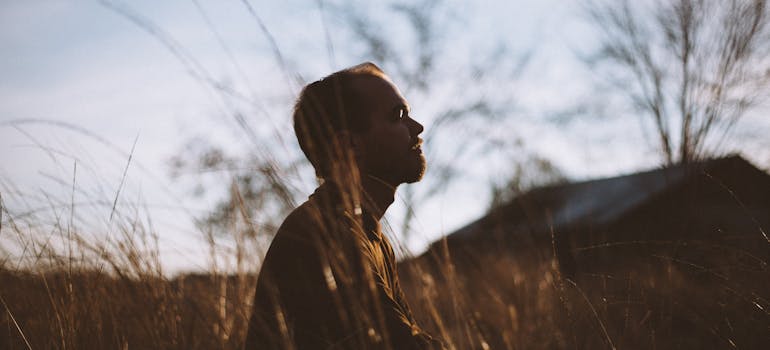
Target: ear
x=353, y=140
x=357, y=143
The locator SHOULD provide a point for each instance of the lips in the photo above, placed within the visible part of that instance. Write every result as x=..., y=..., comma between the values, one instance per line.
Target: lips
x=417, y=146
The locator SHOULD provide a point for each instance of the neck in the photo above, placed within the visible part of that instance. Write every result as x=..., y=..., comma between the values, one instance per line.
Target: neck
x=378, y=195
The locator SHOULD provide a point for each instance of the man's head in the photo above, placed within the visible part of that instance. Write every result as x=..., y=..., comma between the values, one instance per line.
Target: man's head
x=358, y=115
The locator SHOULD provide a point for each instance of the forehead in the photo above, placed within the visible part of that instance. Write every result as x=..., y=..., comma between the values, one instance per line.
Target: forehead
x=379, y=92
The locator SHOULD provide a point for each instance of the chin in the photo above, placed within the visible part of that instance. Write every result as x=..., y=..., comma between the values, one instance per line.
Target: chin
x=412, y=180
x=416, y=173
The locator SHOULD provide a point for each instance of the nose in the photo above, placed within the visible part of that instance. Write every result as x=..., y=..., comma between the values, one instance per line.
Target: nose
x=415, y=127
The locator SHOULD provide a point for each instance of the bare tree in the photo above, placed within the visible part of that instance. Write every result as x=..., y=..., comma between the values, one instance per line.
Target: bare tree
x=693, y=67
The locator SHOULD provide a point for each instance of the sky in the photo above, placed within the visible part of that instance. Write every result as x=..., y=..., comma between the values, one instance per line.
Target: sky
x=84, y=88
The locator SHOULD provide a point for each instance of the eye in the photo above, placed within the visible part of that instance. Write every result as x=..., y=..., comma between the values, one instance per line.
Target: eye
x=401, y=113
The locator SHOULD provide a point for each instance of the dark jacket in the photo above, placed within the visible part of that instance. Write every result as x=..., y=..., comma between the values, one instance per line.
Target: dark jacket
x=329, y=281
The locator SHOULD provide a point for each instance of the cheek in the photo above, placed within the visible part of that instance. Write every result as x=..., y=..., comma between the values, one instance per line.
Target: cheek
x=389, y=140
x=396, y=142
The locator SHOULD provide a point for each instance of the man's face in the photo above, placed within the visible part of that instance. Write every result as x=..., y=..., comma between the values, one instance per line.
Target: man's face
x=390, y=147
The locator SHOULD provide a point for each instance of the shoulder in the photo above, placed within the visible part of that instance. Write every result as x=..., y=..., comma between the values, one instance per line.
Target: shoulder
x=304, y=229
x=297, y=230
x=292, y=255
x=317, y=228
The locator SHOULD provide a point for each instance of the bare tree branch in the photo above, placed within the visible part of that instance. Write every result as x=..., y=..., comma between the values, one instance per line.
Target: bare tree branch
x=696, y=66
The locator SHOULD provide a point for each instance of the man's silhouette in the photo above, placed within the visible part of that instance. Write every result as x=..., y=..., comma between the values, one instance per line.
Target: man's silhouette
x=329, y=279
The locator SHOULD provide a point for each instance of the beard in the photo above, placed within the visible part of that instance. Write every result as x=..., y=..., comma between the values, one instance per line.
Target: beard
x=415, y=168
x=406, y=168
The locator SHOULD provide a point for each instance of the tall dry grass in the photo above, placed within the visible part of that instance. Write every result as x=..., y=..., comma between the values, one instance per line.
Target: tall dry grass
x=706, y=298
x=66, y=287
x=75, y=292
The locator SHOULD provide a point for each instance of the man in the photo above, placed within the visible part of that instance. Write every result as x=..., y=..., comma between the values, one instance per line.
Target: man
x=329, y=279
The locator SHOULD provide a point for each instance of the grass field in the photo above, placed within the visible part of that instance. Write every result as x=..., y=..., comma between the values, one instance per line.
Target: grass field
x=120, y=299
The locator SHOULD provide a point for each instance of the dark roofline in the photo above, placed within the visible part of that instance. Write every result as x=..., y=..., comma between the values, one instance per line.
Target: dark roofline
x=653, y=182
x=693, y=167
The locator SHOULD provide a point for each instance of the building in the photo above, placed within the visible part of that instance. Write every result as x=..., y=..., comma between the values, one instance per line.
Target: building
x=723, y=202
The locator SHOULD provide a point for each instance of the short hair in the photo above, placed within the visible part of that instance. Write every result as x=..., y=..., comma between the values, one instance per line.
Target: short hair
x=328, y=106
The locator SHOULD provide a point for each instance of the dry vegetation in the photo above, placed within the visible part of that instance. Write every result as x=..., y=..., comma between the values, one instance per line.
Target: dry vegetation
x=632, y=297
x=114, y=294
